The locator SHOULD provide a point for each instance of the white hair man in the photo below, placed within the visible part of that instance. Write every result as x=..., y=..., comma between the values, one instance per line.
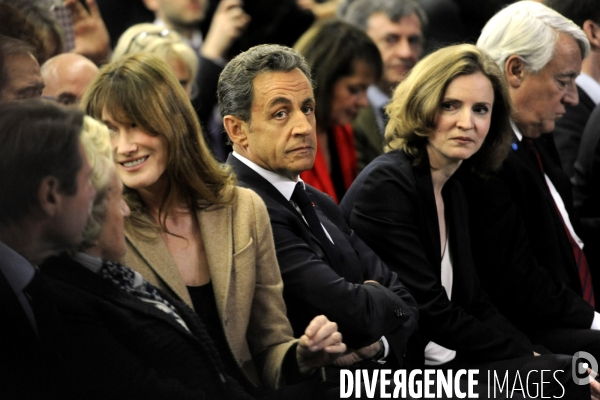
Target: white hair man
x=523, y=229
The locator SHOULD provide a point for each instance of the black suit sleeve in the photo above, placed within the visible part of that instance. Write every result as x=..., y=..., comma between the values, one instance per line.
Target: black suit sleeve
x=363, y=311
x=390, y=214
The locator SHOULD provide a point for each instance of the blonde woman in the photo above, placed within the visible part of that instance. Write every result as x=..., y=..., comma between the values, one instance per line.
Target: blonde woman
x=453, y=109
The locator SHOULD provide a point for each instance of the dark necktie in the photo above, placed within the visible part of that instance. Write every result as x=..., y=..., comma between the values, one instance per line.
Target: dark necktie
x=583, y=268
x=310, y=215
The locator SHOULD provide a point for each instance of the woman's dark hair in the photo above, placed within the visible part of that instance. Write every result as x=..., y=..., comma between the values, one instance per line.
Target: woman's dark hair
x=332, y=49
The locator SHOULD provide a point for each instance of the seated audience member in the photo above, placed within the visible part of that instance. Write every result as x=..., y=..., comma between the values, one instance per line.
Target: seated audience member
x=166, y=44
x=518, y=237
x=227, y=24
x=453, y=108
x=66, y=77
x=13, y=23
x=344, y=62
x=396, y=27
x=90, y=36
x=267, y=102
x=135, y=341
x=539, y=52
x=586, y=189
x=47, y=175
x=39, y=15
x=569, y=128
x=192, y=233
x=20, y=76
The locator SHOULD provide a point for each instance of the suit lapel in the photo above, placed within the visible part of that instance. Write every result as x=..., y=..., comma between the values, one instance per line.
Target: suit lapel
x=427, y=199
x=155, y=253
x=252, y=180
x=216, y=230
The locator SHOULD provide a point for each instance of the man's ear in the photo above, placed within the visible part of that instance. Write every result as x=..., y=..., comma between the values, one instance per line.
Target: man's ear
x=151, y=5
x=514, y=70
x=592, y=31
x=49, y=197
x=236, y=129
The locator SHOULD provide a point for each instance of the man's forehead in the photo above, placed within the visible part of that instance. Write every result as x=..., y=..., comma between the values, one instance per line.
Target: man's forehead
x=380, y=21
x=272, y=86
x=566, y=60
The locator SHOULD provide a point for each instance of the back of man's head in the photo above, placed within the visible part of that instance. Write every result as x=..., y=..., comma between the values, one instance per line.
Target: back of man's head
x=530, y=30
x=577, y=11
x=358, y=12
x=37, y=139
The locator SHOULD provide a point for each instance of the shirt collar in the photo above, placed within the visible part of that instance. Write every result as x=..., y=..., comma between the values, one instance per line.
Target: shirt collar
x=516, y=130
x=377, y=97
x=284, y=185
x=17, y=270
x=589, y=86
x=92, y=263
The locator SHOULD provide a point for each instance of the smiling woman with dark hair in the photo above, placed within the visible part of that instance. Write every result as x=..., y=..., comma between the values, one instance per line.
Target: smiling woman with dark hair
x=194, y=234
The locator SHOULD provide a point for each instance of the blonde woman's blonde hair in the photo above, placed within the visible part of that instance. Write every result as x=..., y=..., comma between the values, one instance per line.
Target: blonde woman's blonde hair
x=141, y=89
x=165, y=43
x=95, y=138
x=416, y=102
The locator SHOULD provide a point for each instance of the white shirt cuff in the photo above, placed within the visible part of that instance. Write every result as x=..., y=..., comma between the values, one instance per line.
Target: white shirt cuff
x=596, y=321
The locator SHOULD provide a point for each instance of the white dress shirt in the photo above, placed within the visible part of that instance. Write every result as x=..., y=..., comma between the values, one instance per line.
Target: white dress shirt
x=590, y=86
x=560, y=205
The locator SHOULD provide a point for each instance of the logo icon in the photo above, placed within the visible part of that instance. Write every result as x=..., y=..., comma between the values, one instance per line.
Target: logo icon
x=582, y=363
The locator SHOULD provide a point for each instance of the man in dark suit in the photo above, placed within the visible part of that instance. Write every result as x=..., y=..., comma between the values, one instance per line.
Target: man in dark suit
x=46, y=195
x=523, y=231
x=586, y=190
x=569, y=129
x=396, y=27
x=266, y=99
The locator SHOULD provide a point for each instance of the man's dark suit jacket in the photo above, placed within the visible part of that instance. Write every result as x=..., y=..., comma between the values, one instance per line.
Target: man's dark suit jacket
x=506, y=263
x=392, y=206
x=368, y=137
x=586, y=191
x=114, y=345
x=24, y=366
x=569, y=130
x=545, y=230
x=363, y=312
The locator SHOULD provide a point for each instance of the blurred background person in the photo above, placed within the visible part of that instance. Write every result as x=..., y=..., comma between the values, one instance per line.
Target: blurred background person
x=20, y=76
x=396, y=27
x=344, y=62
x=569, y=128
x=165, y=43
x=66, y=77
